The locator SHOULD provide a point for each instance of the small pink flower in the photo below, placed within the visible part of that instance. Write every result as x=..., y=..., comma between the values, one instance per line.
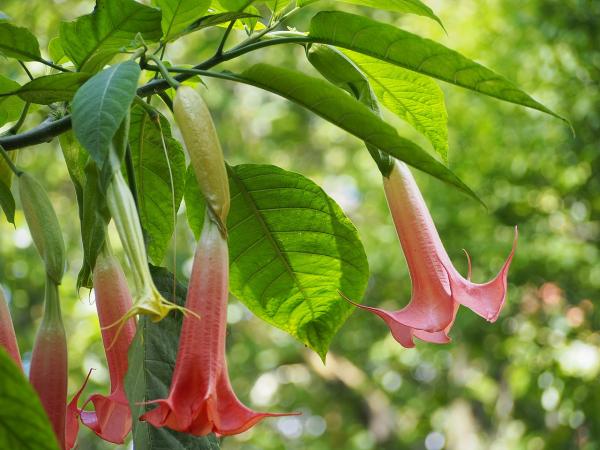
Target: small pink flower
x=201, y=399
x=437, y=288
x=8, y=339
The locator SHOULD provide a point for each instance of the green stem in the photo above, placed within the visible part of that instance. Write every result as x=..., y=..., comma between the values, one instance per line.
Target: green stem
x=164, y=72
x=9, y=162
x=16, y=126
x=52, y=312
x=22, y=64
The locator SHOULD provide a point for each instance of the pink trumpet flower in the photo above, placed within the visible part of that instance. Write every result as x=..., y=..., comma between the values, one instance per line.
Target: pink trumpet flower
x=437, y=288
x=111, y=418
x=201, y=399
x=8, y=339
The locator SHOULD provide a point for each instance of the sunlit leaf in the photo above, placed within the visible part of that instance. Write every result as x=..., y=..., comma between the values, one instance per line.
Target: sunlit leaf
x=292, y=250
x=158, y=202
x=91, y=41
x=23, y=422
x=414, y=97
x=177, y=15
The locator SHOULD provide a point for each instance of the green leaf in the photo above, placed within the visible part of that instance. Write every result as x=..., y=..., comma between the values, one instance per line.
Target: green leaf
x=23, y=422
x=19, y=43
x=292, y=250
x=195, y=204
x=100, y=106
x=52, y=88
x=177, y=15
x=217, y=19
x=336, y=106
x=55, y=50
x=404, y=49
x=151, y=360
x=158, y=200
x=402, y=6
x=7, y=202
x=413, y=97
x=94, y=218
x=91, y=41
x=10, y=105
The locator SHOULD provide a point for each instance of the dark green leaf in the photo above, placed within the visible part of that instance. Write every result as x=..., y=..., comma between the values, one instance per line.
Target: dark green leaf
x=10, y=105
x=100, y=106
x=177, y=15
x=23, y=422
x=388, y=43
x=7, y=202
x=159, y=199
x=19, y=43
x=52, y=88
x=334, y=105
x=91, y=41
x=292, y=250
x=195, y=205
x=151, y=360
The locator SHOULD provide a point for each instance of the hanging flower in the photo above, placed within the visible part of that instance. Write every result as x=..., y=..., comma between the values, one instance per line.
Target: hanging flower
x=437, y=288
x=201, y=399
x=8, y=339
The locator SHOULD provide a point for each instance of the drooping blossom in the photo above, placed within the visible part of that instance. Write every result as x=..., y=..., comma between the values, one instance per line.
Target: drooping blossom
x=111, y=418
x=201, y=399
x=48, y=371
x=437, y=287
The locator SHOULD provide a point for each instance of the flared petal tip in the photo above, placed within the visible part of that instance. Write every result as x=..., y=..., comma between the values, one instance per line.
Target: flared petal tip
x=112, y=417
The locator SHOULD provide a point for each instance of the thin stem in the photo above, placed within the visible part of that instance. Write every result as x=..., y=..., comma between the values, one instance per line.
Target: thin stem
x=219, y=51
x=16, y=126
x=163, y=70
x=22, y=64
x=9, y=162
x=51, y=64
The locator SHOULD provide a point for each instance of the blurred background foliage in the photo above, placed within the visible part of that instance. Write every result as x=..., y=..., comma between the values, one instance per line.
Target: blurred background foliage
x=529, y=381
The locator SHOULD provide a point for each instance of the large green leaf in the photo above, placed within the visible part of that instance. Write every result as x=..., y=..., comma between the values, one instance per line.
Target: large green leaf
x=19, y=43
x=52, y=88
x=100, y=106
x=391, y=44
x=292, y=251
x=414, y=97
x=177, y=15
x=151, y=361
x=159, y=199
x=10, y=105
x=23, y=422
x=403, y=6
x=91, y=41
x=336, y=106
